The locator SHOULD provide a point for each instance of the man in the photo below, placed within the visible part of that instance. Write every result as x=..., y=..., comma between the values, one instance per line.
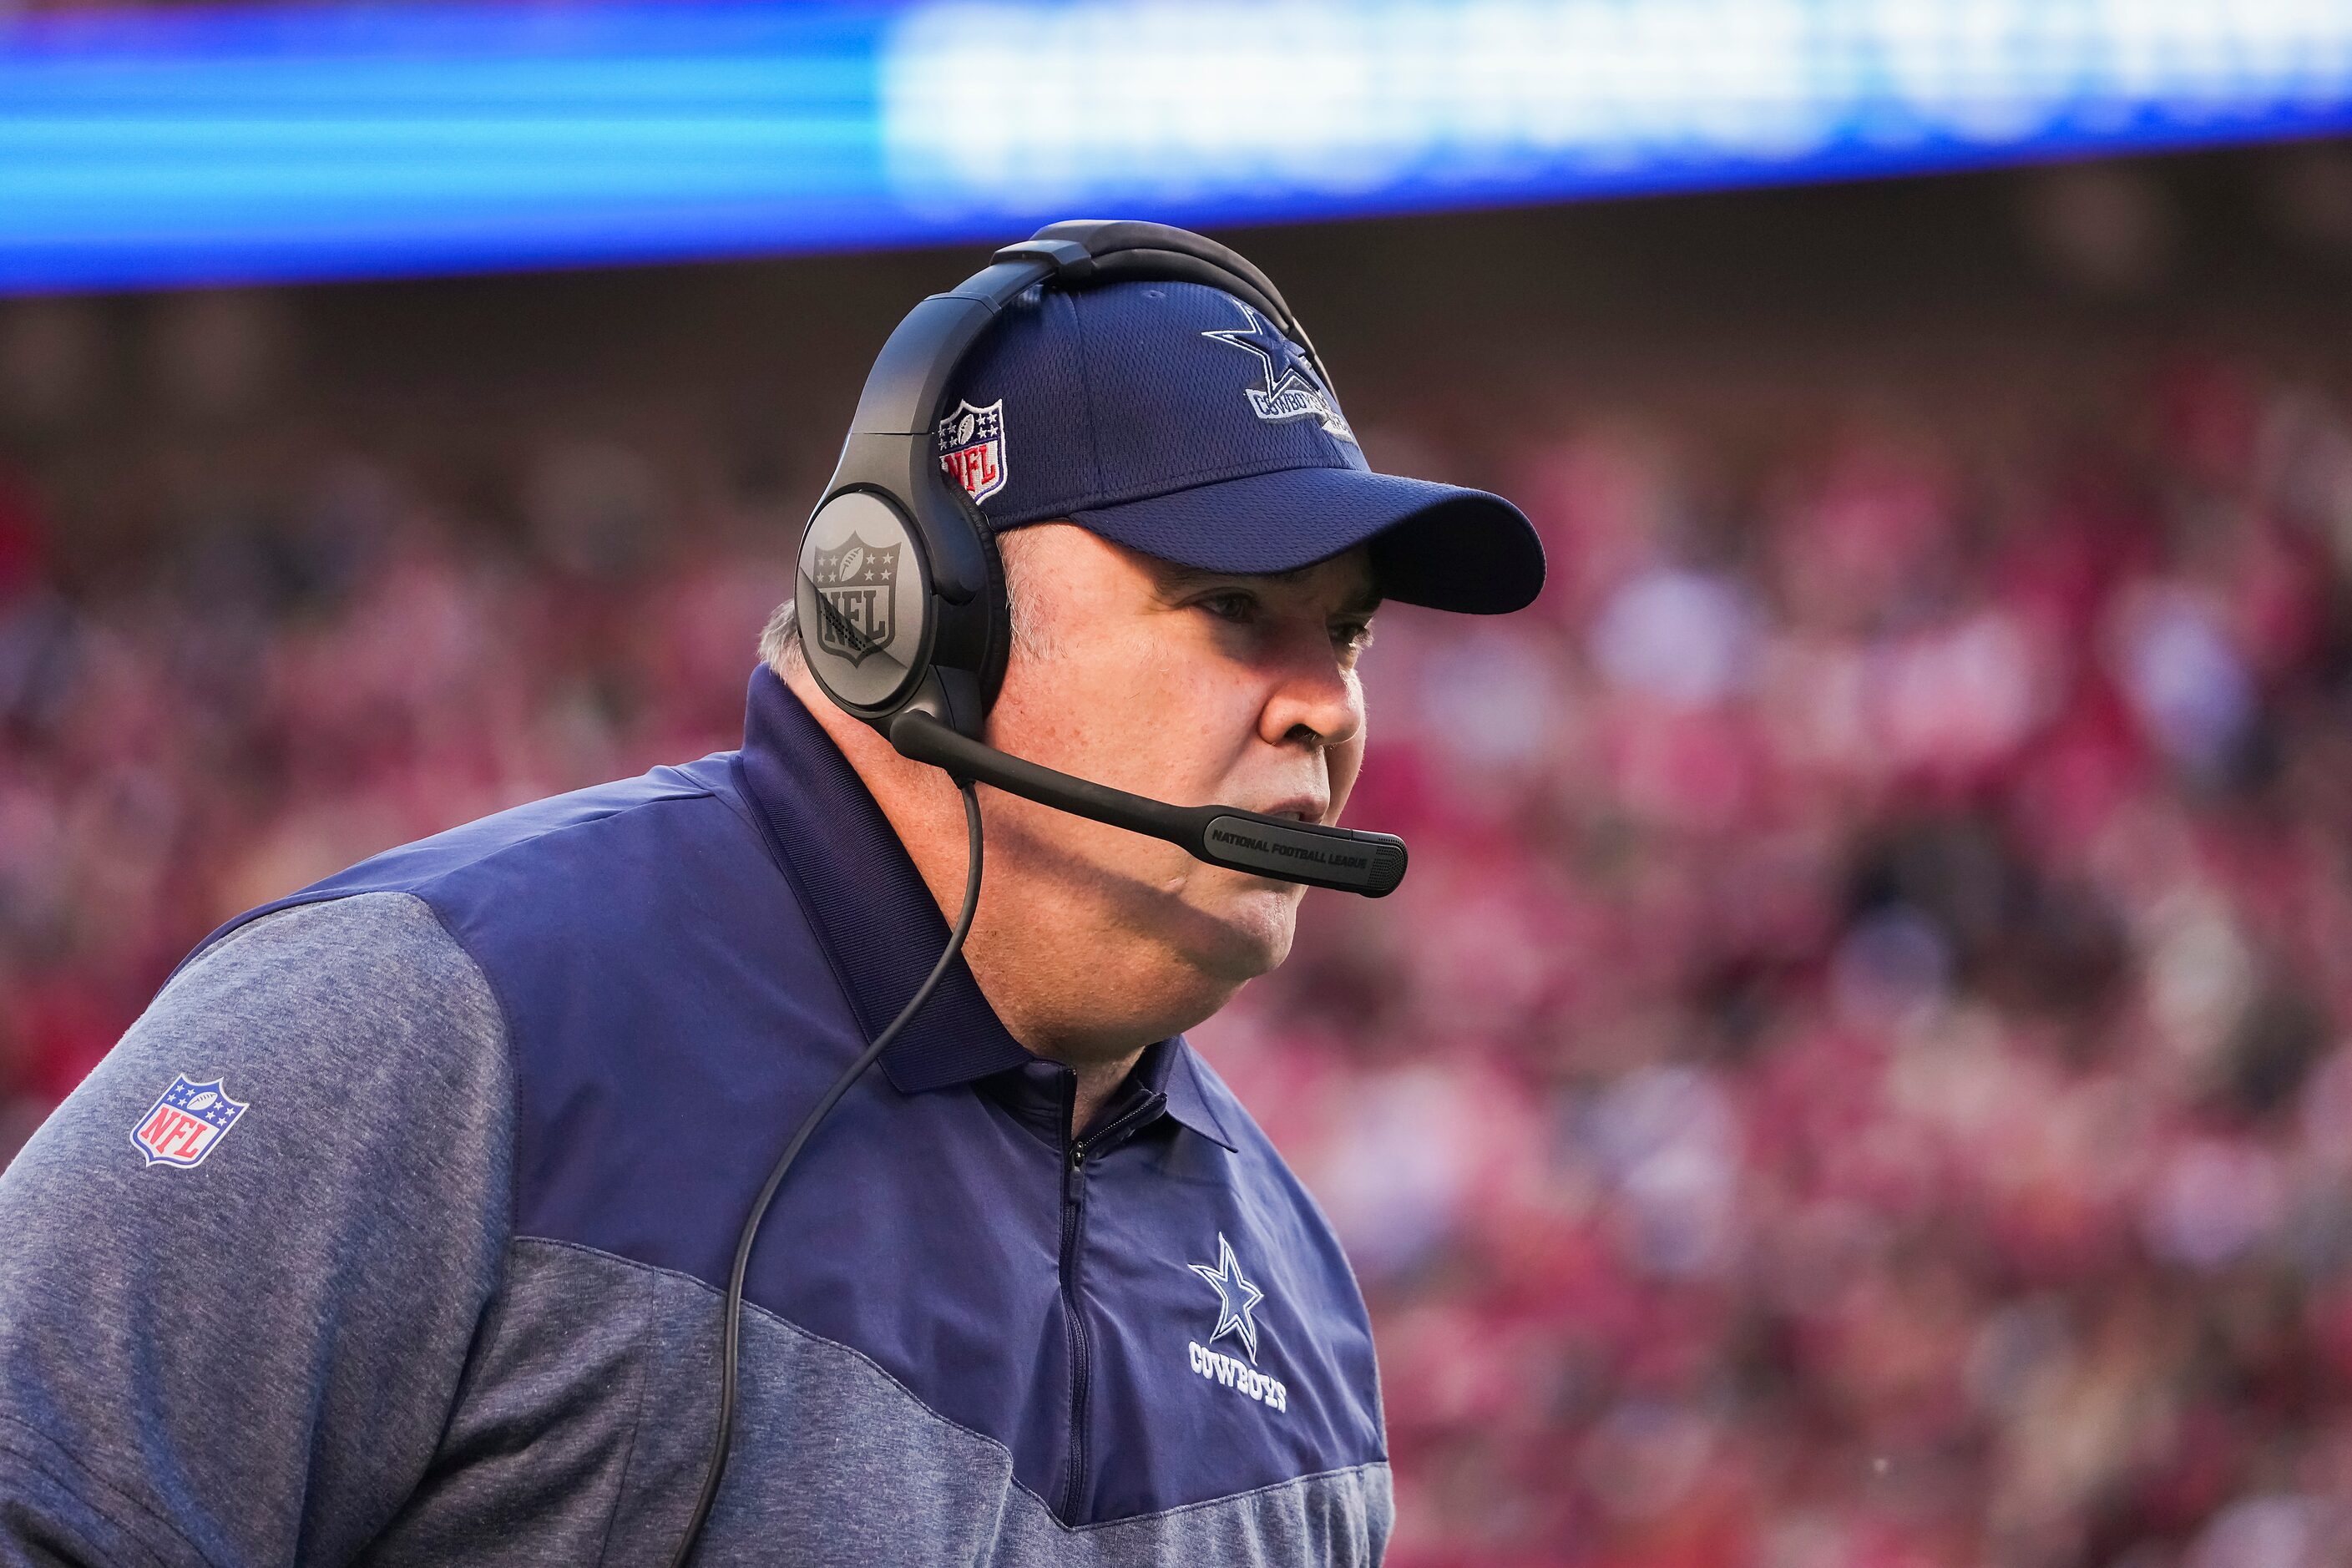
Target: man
x=393, y=1230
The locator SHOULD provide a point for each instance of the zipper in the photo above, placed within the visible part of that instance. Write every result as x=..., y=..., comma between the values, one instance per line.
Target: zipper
x=1074, y=1224
x=1073, y=1214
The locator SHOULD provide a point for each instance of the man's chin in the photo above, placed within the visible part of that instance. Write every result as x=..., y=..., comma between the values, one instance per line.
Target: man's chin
x=1247, y=932
x=1225, y=927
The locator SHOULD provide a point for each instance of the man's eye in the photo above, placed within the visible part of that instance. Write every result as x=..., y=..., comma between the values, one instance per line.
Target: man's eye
x=1237, y=608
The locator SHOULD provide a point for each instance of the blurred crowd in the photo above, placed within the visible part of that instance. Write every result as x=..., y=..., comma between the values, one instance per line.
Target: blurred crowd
x=1854, y=1079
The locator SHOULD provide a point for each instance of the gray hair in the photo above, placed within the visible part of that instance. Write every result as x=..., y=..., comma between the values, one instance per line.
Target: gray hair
x=780, y=640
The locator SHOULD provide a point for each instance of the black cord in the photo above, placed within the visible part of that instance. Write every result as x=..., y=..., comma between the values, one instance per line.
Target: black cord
x=724, y=1438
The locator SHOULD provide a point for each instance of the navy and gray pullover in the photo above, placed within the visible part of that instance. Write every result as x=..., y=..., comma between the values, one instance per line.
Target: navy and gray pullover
x=446, y=1288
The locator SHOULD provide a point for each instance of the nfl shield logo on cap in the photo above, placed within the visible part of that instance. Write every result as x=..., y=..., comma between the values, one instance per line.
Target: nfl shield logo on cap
x=972, y=448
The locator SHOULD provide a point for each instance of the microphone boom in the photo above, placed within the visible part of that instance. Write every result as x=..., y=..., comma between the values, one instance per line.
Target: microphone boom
x=1345, y=859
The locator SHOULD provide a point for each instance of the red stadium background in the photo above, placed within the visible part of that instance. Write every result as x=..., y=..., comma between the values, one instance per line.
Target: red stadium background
x=1857, y=1077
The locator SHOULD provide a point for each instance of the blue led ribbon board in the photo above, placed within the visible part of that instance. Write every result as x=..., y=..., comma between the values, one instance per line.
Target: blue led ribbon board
x=179, y=146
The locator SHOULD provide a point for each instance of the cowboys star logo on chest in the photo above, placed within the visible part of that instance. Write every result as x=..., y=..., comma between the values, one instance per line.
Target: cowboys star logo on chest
x=1238, y=1302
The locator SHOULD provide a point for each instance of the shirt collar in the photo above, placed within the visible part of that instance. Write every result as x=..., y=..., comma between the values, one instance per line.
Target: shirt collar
x=1178, y=1074
x=880, y=926
x=1165, y=1082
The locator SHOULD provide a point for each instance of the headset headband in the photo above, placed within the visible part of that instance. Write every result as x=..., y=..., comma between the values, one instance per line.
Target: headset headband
x=909, y=379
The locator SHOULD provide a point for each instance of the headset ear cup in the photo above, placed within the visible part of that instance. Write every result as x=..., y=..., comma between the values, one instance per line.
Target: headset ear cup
x=974, y=639
x=863, y=594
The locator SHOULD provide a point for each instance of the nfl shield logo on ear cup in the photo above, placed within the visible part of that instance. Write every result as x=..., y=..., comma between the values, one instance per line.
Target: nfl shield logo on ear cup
x=863, y=598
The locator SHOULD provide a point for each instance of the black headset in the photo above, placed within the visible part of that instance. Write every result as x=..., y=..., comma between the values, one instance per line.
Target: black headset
x=924, y=667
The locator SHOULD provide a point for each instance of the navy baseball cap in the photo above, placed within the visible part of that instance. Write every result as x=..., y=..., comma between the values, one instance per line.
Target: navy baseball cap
x=1176, y=420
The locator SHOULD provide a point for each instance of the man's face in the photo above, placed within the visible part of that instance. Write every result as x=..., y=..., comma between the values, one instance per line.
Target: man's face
x=1189, y=687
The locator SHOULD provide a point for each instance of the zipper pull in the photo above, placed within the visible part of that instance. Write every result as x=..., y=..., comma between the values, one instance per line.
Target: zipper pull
x=1077, y=1155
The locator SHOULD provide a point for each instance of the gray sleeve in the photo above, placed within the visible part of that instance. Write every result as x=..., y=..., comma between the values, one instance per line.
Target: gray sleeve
x=244, y=1351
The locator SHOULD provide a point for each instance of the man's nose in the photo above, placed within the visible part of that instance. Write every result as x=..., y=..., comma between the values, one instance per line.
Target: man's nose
x=1314, y=698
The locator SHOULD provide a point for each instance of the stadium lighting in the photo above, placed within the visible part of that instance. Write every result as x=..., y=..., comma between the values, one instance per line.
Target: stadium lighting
x=153, y=148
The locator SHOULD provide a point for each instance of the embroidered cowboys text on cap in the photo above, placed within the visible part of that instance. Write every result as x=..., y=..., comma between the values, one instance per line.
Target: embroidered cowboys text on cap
x=1174, y=419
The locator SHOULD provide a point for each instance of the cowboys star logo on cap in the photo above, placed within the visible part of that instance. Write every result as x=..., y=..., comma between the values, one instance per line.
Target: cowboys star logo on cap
x=1292, y=389
x=1236, y=1296
x=857, y=586
x=972, y=448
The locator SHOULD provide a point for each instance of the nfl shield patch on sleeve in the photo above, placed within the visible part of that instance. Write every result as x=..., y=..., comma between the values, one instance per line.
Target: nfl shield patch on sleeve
x=182, y=1126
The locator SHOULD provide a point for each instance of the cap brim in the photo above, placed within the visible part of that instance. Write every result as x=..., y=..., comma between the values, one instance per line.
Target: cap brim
x=1438, y=545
